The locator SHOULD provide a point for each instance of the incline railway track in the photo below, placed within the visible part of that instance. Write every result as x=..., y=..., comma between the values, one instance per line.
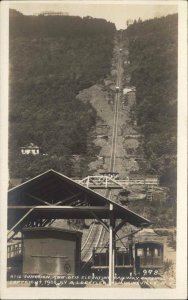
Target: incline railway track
x=115, y=123
x=88, y=236
x=96, y=235
x=92, y=240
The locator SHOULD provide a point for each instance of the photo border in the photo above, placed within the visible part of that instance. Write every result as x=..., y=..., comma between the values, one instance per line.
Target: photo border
x=180, y=292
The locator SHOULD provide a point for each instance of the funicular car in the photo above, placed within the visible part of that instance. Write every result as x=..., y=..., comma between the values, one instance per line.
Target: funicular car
x=123, y=260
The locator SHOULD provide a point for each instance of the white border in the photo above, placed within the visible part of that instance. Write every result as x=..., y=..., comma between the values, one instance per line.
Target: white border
x=4, y=40
x=104, y=293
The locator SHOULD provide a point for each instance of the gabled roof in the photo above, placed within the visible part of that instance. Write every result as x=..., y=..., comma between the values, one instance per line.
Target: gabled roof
x=54, y=195
x=30, y=146
x=52, y=229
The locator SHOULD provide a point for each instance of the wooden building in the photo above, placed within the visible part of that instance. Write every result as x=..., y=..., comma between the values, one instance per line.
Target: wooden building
x=51, y=251
x=53, y=196
x=30, y=149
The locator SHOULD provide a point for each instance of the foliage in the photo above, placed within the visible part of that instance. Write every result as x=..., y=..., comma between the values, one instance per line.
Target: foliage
x=172, y=244
x=52, y=58
x=153, y=61
x=167, y=265
x=161, y=214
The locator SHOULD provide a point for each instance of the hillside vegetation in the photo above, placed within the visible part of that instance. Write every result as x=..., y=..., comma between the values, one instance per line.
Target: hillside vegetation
x=52, y=58
x=153, y=67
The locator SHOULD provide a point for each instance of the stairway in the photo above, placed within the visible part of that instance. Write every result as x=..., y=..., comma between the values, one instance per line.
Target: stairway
x=150, y=193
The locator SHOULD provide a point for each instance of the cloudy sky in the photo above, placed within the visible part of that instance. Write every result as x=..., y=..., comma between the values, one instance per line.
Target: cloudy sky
x=117, y=12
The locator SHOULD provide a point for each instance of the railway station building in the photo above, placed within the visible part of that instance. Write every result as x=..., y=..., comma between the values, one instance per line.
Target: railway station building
x=34, y=205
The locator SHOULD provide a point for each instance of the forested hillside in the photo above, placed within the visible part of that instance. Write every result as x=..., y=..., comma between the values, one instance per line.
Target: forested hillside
x=153, y=65
x=52, y=58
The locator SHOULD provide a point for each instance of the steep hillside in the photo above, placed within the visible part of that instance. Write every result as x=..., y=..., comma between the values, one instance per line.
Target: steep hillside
x=52, y=58
x=153, y=66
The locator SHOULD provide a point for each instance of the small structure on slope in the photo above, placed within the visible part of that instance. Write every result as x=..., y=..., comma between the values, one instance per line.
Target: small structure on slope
x=30, y=149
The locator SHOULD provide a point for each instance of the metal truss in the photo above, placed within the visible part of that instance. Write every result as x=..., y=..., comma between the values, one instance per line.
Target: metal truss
x=100, y=182
x=112, y=182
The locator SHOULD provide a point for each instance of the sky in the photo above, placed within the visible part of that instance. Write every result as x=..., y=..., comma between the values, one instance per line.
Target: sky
x=117, y=12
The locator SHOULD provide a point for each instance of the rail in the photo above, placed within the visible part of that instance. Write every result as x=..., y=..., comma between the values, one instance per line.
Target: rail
x=93, y=241
x=88, y=236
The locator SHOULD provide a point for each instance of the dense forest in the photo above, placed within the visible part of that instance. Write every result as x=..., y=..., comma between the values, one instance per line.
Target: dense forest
x=52, y=58
x=153, y=65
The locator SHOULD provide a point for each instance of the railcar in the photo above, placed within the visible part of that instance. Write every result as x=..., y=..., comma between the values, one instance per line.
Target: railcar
x=144, y=258
x=100, y=261
x=149, y=257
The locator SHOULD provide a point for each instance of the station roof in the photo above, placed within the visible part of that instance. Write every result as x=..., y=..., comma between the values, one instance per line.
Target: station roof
x=52, y=229
x=55, y=196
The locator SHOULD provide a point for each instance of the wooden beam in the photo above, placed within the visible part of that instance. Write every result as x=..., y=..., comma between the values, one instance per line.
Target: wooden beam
x=119, y=226
x=60, y=207
x=99, y=187
x=48, y=221
x=20, y=221
x=37, y=198
x=23, y=206
x=100, y=221
x=130, y=234
x=68, y=198
x=85, y=197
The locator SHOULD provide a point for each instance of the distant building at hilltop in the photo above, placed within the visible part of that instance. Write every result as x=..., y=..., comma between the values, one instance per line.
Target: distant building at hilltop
x=130, y=22
x=53, y=13
x=30, y=149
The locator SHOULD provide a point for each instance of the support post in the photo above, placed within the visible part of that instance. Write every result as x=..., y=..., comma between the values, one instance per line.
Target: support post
x=132, y=243
x=19, y=223
x=106, y=182
x=111, y=246
x=134, y=259
x=87, y=184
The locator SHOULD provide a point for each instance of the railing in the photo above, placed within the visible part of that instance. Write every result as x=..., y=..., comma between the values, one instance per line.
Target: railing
x=139, y=181
x=114, y=182
x=14, y=249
